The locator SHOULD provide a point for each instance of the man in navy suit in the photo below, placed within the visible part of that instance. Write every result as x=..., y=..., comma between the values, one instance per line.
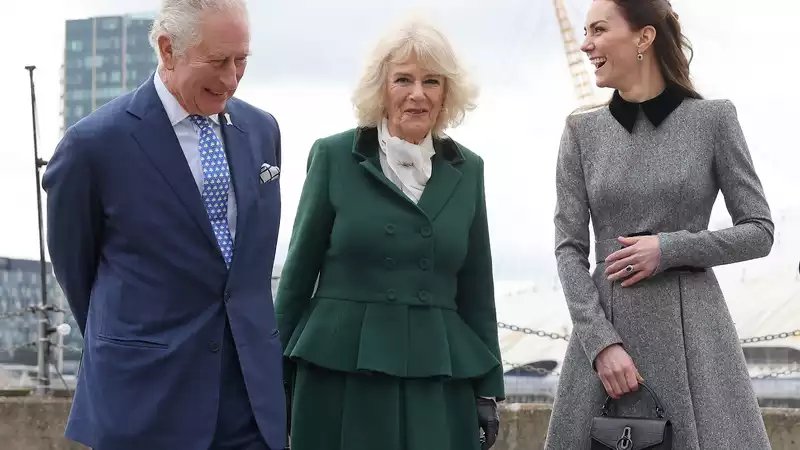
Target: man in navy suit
x=163, y=214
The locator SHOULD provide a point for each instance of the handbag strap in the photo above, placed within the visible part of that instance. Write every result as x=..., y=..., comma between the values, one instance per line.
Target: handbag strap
x=659, y=409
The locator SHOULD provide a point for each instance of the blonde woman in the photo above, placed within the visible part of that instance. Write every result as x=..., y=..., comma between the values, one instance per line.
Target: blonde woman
x=386, y=303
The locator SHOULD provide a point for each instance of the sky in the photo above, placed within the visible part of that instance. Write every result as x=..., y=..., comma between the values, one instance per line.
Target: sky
x=307, y=55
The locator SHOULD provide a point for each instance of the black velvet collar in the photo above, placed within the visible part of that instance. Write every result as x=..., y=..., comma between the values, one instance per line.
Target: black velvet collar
x=656, y=109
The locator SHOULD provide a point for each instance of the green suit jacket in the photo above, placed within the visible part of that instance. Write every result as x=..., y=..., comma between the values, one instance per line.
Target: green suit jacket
x=373, y=282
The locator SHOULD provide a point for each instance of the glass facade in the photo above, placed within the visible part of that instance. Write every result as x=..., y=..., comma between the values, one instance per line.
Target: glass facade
x=104, y=58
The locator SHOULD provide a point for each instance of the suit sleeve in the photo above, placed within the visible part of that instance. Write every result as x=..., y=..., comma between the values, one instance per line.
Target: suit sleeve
x=74, y=222
x=752, y=233
x=475, y=294
x=307, y=246
x=571, y=218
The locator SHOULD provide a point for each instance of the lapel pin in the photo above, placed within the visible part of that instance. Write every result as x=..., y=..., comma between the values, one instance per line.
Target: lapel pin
x=228, y=119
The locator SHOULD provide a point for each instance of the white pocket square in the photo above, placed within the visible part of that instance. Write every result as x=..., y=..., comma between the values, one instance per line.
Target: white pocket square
x=268, y=173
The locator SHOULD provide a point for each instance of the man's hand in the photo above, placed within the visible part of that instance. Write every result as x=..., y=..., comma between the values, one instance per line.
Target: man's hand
x=489, y=421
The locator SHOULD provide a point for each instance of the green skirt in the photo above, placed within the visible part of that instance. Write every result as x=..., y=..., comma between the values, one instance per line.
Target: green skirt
x=334, y=410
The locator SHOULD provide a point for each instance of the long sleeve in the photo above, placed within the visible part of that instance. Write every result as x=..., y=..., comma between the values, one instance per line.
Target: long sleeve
x=752, y=233
x=308, y=244
x=572, y=245
x=74, y=222
x=475, y=295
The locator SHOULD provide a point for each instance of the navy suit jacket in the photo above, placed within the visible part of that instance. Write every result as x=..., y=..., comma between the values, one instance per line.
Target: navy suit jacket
x=133, y=250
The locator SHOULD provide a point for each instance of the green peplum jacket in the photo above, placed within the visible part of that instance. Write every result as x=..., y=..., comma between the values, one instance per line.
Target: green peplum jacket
x=375, y=283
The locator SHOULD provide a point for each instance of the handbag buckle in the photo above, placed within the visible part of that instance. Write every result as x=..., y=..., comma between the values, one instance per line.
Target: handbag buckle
x=625, y=442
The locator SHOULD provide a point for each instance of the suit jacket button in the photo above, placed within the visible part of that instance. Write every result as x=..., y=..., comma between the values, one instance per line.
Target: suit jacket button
x=388, y=263
x=214, y=347
x=391, y=295
x=425, y=231
x=424, y=296
x=424, y=263
x=389, y=228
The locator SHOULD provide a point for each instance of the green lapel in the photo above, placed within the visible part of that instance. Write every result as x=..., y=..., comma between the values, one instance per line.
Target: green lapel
x=445, y=174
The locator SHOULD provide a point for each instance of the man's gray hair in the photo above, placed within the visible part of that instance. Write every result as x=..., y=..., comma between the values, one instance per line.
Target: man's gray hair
x=179, y=20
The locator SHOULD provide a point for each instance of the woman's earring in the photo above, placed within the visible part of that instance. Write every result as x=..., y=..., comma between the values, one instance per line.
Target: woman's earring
x=639, y=57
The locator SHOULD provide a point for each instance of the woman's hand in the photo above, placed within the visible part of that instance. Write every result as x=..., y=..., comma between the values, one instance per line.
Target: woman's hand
x=488, y=421
x=617, y=371
x=638, y=260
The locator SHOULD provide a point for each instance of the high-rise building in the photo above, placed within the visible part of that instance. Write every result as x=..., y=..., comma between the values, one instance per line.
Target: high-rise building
x=20, y=290
x=104, y=57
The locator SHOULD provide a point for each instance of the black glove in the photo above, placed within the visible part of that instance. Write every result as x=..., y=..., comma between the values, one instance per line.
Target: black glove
x=489, y=421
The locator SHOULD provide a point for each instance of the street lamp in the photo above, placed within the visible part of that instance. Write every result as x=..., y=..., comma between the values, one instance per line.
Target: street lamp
x=43, y=345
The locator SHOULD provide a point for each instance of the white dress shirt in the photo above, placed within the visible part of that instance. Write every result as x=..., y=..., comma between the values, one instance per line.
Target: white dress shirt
x=188, y=135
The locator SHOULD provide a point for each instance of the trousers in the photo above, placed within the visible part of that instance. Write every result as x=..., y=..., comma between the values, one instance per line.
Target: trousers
x=236, y=425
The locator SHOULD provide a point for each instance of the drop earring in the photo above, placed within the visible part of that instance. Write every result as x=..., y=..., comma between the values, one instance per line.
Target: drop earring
x=639, y=57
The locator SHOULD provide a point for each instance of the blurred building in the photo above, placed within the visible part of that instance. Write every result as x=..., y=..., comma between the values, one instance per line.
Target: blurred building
x=20, y=289
x=104, y=57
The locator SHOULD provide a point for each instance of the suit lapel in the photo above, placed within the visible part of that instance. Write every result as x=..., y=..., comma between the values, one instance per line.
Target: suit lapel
x=440, y=187
x=243, y=169
x=157, y=140
x=372, y=166
x=444, y=176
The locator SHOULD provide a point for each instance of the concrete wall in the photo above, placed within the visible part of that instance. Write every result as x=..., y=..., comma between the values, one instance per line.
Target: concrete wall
x=30, y=423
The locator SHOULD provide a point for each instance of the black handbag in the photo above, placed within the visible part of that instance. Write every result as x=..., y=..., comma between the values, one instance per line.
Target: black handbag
x=611, y=432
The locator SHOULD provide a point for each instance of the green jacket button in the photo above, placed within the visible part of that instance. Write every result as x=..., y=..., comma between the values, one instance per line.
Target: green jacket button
x=425, y=231
x=391, y=295
x=424, y=296
x=424, y=263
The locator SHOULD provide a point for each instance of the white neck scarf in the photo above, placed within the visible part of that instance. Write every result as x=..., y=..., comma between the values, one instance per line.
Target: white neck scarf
x=407, y=165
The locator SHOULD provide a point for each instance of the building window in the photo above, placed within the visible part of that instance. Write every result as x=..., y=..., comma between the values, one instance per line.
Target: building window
x=78, y=111
x=107, y=43
x=76, y=45
x=75, y=63
x=93, y=61
x=79, y=94
x=109, y=24
x=116, y=76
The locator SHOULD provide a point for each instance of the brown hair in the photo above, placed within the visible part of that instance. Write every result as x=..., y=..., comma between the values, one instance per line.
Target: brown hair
x=669, y=43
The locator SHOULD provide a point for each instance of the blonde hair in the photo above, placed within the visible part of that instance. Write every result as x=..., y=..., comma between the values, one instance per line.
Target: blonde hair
x=435, y=53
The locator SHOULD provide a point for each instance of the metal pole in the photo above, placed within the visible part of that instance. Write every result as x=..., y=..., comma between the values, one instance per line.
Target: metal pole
x=43, y=347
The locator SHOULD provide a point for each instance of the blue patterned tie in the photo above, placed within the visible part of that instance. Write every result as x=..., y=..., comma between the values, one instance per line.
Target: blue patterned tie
x=216, y=180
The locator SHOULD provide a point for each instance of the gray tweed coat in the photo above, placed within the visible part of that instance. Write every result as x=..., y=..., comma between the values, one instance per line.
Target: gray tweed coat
x=676, y=326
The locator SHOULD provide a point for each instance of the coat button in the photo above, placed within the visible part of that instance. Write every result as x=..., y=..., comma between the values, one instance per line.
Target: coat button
x=425, y=231
x=389, y=228
x=391, y=295
x=424, y=263
x=214, y=347
x=424, y=296
x=388, y=263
